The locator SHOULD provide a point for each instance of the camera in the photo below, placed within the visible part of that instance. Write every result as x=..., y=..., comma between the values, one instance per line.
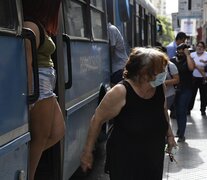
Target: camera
x=182, y=46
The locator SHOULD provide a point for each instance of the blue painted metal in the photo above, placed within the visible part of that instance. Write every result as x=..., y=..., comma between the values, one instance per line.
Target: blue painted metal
x=124, y=10
x=14, y=144
x=90, y=66
x=14, y=158
x=118, y=22
x=14, y=135
x=13, y=89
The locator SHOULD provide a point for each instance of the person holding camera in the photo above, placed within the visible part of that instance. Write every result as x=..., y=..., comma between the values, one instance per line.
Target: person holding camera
x=199, y=77
x=185, y=66
x=171, y=52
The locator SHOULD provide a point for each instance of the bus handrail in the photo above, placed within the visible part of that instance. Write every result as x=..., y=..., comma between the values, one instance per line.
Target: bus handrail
x=28, y=34
x=67, y=40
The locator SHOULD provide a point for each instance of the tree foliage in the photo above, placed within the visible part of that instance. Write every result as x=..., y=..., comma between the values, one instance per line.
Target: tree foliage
x=167, y=35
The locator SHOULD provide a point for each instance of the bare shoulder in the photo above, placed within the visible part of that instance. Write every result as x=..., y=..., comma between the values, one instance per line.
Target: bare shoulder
x=112, y=102
x=118, y=91
x=35, y=29
x=116, y=95
x=32, y=26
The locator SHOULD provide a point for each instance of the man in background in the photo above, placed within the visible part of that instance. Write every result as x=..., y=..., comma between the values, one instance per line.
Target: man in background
x=118, y=53
x=172, y=47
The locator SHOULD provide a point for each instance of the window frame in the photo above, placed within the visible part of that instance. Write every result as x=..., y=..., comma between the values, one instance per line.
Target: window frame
x=16, y=20
x=103, y=21
x=87, y=12
x=84, y=8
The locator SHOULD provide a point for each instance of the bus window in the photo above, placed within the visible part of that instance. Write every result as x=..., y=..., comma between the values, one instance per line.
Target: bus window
x=98, y=20
x=149, y=30
x=142, y=26
x=8, y=18
x=74, y=21
x=129, y=29
x=153, y=30
x=124, y=10
x=138, y=25
x=99, y=4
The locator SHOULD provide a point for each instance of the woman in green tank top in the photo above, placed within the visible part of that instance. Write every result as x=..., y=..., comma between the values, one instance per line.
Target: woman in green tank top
x=46, y=119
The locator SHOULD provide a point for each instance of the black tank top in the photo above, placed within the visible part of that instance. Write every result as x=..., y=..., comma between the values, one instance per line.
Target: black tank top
x=142, y=117
x=135, y=148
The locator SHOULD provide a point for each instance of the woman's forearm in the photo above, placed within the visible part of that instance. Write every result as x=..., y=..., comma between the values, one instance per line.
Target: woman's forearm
x=94, y=130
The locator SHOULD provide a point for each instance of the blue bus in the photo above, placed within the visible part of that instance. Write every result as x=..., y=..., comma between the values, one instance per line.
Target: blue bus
x=82, y=63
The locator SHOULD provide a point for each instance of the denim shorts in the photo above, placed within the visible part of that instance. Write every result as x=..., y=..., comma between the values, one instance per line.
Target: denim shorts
x=47, y=80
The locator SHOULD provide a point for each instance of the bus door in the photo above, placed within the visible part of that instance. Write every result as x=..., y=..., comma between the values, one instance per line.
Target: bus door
x=86, y=56
x=14, y=131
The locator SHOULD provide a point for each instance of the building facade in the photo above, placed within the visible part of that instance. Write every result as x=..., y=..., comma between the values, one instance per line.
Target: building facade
x=160, y=5
x=192, y=19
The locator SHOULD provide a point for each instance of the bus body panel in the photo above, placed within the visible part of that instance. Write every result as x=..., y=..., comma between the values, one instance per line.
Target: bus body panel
x=14, y=158
x=90, y=66
x=117, y=21
x=14, y=135
x=77, y=127
x=13, y=91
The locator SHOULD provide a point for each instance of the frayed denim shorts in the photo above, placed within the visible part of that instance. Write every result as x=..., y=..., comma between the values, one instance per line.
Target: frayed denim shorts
x=47, y=80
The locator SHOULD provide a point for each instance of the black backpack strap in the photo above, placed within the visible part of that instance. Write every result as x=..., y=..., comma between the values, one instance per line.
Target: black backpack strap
x=169, y=71
x=41, y=29
x=168, y=68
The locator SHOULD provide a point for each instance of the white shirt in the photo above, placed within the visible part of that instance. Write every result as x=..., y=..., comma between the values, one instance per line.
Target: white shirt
x=197, y=59
x=170, y=90
x=120, y=57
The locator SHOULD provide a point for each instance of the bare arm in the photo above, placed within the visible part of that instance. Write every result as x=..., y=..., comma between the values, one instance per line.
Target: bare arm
x=35, y=30
x=169, y=132
x=109, y=107
x=201, y=70
x=190, y=62
x=175, y=80
x=169, y=135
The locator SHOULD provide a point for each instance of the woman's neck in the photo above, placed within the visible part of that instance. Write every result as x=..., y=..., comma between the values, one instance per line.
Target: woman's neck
x=144, y=90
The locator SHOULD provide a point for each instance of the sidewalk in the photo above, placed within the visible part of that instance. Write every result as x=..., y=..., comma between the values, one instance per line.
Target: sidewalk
x=192, y=154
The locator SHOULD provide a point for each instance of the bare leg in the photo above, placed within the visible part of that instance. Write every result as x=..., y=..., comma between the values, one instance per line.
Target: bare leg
x=58, y=127
x=43, y=116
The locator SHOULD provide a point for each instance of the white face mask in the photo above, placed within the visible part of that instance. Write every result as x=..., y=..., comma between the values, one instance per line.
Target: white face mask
x=160, y=79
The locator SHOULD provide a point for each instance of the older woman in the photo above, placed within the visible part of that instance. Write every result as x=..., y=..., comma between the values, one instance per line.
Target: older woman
x=135, y=148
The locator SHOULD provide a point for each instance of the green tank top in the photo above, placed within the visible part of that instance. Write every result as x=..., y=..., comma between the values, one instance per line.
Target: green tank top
x=45, y=51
